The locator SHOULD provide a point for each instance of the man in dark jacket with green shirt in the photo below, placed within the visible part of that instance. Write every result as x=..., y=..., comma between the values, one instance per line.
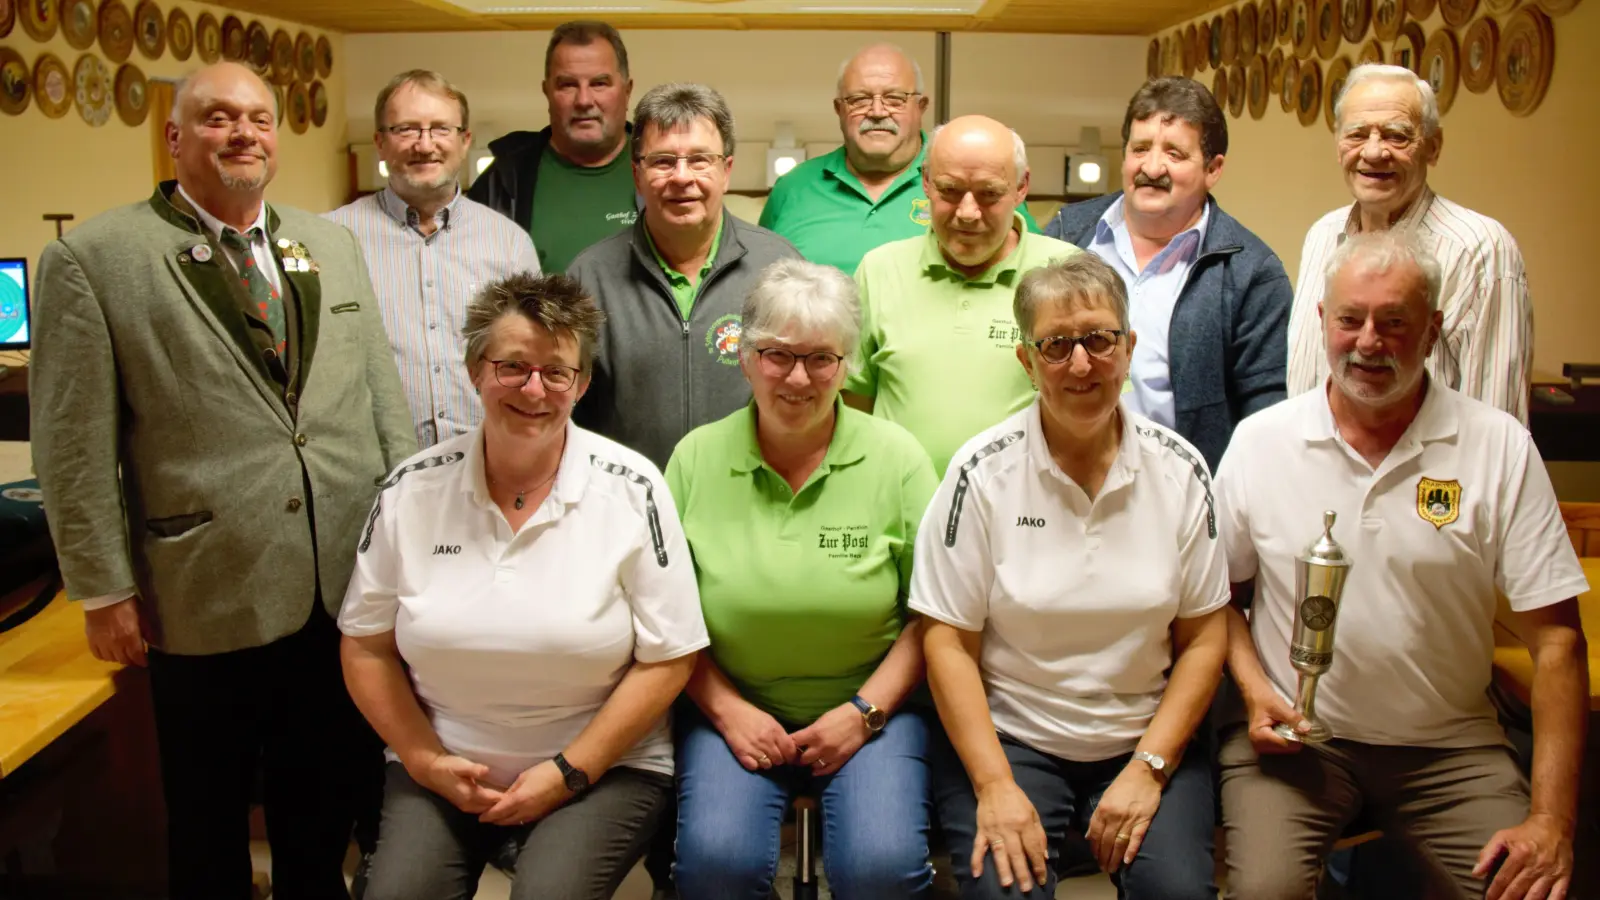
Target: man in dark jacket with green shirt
x=579, y=163
x=672, y=286
x=1208, y=299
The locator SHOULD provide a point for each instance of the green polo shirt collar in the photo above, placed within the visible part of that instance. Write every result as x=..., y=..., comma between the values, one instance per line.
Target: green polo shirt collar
x=846, y=447
x=684, y=290
x=836, y=165
x=1003, y=272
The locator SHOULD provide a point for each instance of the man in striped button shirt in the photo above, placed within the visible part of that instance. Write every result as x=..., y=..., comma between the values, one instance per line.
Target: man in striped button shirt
x=430, y=248
x=1388, y=137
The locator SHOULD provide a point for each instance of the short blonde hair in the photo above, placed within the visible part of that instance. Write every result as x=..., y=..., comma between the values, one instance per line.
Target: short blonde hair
x=424, y=79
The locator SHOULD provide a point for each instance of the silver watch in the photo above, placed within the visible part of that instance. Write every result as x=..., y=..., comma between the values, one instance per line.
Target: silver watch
x=1157, y=764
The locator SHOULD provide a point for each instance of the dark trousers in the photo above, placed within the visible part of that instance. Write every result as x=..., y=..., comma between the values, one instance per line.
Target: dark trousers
x=430, y=850
x=1174, y=863
x=281, y=710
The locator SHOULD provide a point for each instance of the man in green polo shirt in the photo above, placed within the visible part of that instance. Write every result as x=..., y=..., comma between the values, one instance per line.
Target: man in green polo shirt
x=938, y=341
x=869, y=191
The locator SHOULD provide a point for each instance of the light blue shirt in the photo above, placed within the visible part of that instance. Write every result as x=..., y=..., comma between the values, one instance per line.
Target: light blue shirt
x=1152, y=296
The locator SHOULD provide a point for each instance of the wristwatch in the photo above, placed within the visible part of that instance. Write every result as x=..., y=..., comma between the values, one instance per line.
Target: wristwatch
x=577, y=780
x=1157, y=764
x=873, y=716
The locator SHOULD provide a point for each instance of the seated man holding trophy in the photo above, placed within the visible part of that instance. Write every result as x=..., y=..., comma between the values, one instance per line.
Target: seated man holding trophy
x=1427, y=503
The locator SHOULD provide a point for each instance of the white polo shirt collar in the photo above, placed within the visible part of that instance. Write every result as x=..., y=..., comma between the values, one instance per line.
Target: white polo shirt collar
x=1436, y=421
x=572, y=476
x=1119, y=476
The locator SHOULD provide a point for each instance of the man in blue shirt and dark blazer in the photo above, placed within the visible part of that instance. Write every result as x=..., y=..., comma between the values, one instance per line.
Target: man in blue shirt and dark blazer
x=1208, y=299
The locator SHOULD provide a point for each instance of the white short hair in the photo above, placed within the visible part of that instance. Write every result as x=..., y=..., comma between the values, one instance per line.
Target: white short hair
x=1019, y=151
x=1376, y=252
x=1400, y=74
x=793, y=300
x=916, y=70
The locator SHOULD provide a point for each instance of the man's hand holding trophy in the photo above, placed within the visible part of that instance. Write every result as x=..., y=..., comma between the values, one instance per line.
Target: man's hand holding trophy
x=1319, y=576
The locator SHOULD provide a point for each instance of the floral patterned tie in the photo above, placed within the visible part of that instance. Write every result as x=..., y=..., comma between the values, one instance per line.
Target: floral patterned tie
x=268, y=303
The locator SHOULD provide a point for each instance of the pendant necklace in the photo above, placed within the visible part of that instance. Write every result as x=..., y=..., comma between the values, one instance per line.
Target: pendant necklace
x=522, y=493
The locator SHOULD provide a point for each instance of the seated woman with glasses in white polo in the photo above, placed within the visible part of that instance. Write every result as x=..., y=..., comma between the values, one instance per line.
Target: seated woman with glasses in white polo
x=522, y=614
x=1073, y=584
x=802, y=514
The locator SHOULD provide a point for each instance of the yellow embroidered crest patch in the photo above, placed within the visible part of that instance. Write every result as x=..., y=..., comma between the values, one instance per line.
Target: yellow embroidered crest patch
x=1439, y=502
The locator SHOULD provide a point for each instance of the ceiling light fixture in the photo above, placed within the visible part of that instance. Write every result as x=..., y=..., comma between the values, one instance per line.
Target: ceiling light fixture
x=538, y=10
x=915, y=10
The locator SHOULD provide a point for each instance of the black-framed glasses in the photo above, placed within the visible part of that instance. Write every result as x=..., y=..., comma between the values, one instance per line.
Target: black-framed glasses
x=514, y=373
x=1098, y=344
x=664, y=164
x=415, y=132
x=778, y=362
x=894, y=101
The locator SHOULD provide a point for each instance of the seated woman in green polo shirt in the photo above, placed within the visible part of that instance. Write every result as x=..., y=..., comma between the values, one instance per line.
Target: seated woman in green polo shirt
x=801, y=514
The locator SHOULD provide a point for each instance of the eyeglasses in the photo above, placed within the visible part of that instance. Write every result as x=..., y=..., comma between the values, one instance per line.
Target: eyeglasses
x=663, y=164
x=415, y=132
x=893, y=101
x=1395, y=137
x=514, y=373
x=1098, y=344
x=778, y=362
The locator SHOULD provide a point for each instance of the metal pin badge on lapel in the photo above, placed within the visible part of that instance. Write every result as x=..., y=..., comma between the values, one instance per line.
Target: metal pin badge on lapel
x=202, y=252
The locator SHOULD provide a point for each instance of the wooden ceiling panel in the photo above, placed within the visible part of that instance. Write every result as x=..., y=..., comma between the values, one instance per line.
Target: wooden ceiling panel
x=1137, y=17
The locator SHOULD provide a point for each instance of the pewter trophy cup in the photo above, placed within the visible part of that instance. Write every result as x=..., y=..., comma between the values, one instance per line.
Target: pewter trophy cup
x=1319, y=576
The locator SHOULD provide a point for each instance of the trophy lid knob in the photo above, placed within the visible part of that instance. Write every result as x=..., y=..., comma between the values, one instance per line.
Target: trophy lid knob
x=1326, y=550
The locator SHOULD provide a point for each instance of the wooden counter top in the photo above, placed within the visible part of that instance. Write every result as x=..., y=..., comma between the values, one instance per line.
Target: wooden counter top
x=48, y=681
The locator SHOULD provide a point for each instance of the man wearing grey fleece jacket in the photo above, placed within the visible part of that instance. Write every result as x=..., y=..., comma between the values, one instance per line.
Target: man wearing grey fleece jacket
x=672, y=286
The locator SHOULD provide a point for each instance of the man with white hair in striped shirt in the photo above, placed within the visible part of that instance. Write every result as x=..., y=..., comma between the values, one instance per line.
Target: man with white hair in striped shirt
x=1388, y=136
x=430, y=248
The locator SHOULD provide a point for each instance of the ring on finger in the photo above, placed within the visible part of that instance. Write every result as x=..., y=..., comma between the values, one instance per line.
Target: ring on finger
x=1123, y=836
x=997, y=844
x=764, y=760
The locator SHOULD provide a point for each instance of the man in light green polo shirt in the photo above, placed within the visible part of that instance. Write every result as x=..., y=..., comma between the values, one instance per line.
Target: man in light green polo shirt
x=869, y=191
x=938, y=342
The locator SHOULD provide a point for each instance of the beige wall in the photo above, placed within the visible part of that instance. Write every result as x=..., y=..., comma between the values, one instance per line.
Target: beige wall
x=780, y=76
x=1536, y=175
x=65, y=166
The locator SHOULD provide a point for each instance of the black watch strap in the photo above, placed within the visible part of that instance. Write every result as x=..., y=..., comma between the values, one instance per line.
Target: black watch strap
x=577, y=780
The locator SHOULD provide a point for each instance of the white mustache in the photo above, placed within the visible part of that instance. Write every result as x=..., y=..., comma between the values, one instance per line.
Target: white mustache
x=1357, y=358
x=886, y=123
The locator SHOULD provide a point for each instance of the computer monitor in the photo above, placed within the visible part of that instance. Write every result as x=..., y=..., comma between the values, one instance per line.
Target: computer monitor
x=14, y=332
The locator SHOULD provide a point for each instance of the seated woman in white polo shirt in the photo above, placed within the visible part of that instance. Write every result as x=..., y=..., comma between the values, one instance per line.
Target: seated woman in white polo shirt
x=523, y=612
x=802, y=514
x=1073, y=585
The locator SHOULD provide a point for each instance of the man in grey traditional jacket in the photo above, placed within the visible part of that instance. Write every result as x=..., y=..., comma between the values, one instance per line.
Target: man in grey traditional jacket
x=213, y=404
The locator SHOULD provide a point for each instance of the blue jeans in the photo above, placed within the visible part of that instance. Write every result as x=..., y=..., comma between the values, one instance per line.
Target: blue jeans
x=874, y=816
x=1174, y=862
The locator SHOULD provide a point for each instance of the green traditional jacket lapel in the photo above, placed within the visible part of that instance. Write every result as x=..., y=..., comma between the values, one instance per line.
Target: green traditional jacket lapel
x=301, y=276
x=201, y=262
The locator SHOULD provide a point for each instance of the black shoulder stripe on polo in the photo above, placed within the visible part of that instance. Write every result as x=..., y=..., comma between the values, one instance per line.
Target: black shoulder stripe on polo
x=1195, y=465
x=654, y=518
x=960, y=495
x=392, y=480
